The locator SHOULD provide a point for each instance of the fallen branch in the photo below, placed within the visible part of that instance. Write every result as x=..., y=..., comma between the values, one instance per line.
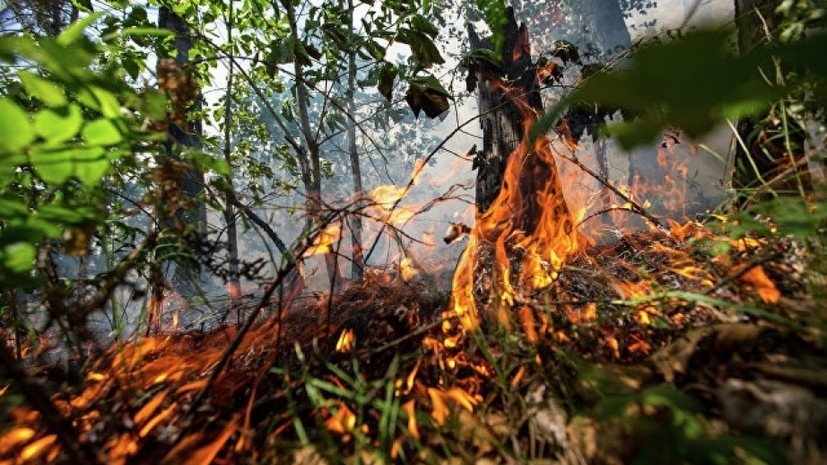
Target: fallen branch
x=605, y=182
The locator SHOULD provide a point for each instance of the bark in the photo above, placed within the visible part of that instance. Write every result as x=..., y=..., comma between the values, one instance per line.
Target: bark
x=234, y=281
x=185, y=278
x=502, y=122
x=311, y=168
x=358, y=263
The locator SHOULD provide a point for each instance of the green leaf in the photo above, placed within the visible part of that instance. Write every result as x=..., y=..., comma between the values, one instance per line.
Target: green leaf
x=46, y=91
x=426, y=93
x=102, y=132
x=422, y=47
x=19, y=257
x=387, y=74
x=494, y=12
x=217, y=165
x=109, y=105
x=15, y=129
x=154, y=104
x=55, y=166
x=421, y=24
x=75, y=31
x=58, y=124
x=671, y=85
x=146, y=31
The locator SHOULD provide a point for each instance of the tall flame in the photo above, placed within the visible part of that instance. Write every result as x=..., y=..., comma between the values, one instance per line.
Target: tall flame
x=531, y=181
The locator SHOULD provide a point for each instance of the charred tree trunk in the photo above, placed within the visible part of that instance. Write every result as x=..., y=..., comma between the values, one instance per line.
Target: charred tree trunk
x=503, y=123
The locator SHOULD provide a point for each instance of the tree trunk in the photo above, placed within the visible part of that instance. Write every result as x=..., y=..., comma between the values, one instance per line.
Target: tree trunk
x=503, y=123
x=358, y=263
x=186, y=134
x=234, y=281
x=312, y=174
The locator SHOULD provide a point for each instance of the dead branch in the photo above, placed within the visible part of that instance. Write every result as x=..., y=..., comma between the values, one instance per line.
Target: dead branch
x=605, y=182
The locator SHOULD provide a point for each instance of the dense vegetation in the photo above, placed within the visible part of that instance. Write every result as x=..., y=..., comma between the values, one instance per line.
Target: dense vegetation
x=172, y=172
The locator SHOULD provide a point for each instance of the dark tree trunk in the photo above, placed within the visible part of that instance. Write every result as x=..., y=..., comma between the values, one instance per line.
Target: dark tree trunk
x=187, y=134
x=234, y=278
x=503, y=123
x=358, y=265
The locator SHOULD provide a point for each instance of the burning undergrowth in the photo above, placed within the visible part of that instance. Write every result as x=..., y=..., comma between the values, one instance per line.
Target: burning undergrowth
x=384, y=370
x=547, y=346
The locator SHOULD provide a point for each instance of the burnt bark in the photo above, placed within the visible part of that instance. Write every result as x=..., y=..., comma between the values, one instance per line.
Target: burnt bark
x=503, y=123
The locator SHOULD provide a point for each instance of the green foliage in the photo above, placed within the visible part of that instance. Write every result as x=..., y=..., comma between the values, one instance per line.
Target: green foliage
x=494, y=13
x=426, y=93
x=692, y=83
x=61, y=133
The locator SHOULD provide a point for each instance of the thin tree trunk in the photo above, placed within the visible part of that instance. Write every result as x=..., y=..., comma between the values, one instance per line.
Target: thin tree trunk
x=312, y=177
x=234, y=282
x=358, y=264
x=187, y=134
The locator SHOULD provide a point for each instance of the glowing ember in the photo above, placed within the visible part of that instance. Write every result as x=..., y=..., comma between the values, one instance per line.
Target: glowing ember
x=408, y=269
x=343, y=421
x=346, y=341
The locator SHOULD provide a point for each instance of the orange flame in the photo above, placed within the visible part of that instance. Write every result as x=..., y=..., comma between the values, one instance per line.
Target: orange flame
x=346, y=341
x=544, y=249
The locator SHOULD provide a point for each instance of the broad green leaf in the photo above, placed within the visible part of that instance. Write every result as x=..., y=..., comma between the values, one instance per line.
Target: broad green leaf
x=422, y=47
x=102, y=132
x=109, y=105
x=44, y=90
x=58, y=124
x=671, y=85
x=217, y=165
x=146, y=31
x=55, y=166
x=12, y=208
x=422, y=24
x=75, y=31
x=15, y=129
x=19, y=257
x=66, y=215
x=426, y=93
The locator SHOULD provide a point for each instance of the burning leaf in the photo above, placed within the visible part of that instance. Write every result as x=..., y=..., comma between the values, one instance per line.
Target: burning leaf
x=206, y=454
x=407, y=268
x=410, y=408
x=526, y=317
x=762, y=283
x=149, y=408
x=323, y=242
x=346, y=341
x=37, y=448
x=343, y=421
x=439, y=409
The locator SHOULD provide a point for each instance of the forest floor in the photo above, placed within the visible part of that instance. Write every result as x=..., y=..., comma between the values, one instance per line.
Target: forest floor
x=653, y=350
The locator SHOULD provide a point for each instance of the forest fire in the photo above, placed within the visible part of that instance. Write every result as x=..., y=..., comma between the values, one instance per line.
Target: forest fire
x=585, y=315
